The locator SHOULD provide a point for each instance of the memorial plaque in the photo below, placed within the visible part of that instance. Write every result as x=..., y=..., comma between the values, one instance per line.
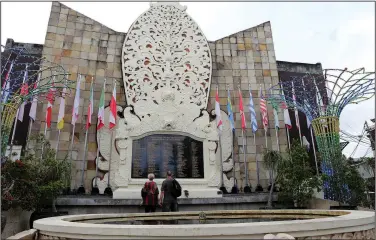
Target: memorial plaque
x=160, y=153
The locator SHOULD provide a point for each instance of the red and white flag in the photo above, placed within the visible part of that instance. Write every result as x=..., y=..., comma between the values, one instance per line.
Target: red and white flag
x=33, y=108
x=50, y=102
x=218, y=112
x=90, y=107
x=101, y=109
x=264, y=110
x=286, y=115
x=241, y=110
x=24, y=92
x=113, y=111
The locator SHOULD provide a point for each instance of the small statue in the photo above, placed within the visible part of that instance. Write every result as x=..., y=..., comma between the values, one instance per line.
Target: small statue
x=202, y=218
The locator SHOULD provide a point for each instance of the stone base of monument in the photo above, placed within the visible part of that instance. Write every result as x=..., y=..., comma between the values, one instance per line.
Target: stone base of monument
x=135, y=193
x=87, y=204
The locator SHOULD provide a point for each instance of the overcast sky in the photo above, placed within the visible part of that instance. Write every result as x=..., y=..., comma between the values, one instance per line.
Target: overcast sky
x=338, y=34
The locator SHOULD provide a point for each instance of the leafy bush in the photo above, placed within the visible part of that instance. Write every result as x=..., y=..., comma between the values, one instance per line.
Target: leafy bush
x=296, y=178
x=33, y=183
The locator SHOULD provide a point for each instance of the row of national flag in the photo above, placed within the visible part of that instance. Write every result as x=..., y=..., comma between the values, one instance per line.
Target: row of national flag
x=50, y=98
x=90, y=108
x=251, y=107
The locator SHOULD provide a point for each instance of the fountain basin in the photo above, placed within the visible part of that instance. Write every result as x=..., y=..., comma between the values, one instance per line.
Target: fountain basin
x=297, y=223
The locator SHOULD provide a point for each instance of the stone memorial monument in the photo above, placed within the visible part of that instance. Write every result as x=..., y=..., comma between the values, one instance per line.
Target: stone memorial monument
x=167, y=70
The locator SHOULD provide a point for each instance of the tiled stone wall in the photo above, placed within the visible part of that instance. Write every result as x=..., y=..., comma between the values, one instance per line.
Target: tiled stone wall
x=82, y=46
x=245, y=59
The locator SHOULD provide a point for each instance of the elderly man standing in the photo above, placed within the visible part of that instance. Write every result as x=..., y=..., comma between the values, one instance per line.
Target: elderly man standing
x=170, y=191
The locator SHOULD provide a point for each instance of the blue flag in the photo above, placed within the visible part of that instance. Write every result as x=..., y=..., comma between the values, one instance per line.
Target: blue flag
x=252, y=111
x=229, y=110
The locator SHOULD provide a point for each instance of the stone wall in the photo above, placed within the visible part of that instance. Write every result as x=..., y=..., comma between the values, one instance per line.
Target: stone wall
x=17, y=221
x=82, y=46
x=244, y=59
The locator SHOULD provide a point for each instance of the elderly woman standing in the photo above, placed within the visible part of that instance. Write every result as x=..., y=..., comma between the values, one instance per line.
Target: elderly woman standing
x=149, y=194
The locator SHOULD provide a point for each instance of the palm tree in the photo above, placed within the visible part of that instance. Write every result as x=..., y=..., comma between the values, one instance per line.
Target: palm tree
x=271, y=159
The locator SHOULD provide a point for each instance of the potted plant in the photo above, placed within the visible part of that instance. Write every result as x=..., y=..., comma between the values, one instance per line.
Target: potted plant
x=36, y=181
x=271, y=160
x=296, y=178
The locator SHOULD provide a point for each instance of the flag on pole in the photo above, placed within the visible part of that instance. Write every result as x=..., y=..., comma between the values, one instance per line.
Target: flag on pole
x=295, y=110
x=8, y=74
x=6, y=85
x=306, y=143
x=76, y=104
x=319, y=101
x=218, y=112
x=90, y=107
x=276, y=119
x=275, y=110
x=101, y=109
x=229, y=110
x=24, y=92
x=50, y=101
x=33, y=108
x=241, y=110
x=253, y=112
x=286, y=115
x=306, y=103
x=60, y=118
x=113, y=112
x=264, y=110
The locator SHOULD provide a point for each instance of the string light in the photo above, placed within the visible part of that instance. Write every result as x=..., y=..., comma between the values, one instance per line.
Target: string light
x=42, y=75
x=322, y=99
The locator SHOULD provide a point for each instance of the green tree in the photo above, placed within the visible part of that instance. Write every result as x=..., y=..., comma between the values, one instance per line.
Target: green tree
x=296, y=178
x=271, y=160
x=33, y=183
x=348, y=186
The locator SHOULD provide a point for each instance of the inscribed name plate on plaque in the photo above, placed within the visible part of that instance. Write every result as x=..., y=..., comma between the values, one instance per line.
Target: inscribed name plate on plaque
x=158, y=153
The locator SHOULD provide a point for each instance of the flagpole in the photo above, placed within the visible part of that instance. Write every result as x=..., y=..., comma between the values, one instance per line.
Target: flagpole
x=221, y=158
x=28, y=134
x=58, y=136
x=97, y=160
x=235, y=188
x=57, y=144
x=246, y=187
x=13, y=134
x=45, y=136
x=108, y=189
x=18, y=112
x=45, y=128
x=95, y=190
x=314, y=151
x=297, y=115
x=74, y=128
x=288, y=137
x=81, y=189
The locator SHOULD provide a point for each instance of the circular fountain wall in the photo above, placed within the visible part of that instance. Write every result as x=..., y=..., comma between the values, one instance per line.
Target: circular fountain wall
x=250, y=224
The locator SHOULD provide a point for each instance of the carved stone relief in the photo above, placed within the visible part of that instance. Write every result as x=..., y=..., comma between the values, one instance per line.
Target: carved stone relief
x=165, y=47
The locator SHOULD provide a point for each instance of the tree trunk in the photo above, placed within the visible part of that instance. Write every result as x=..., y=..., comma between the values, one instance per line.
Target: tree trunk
x=3, y=220
x=53, y=206
x=270, y=200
